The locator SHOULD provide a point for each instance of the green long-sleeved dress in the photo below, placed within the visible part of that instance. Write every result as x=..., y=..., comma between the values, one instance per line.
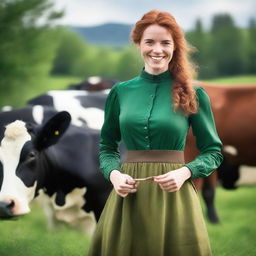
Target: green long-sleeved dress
x=152, y=221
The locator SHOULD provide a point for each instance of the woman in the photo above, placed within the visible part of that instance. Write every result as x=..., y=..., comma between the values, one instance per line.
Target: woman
x=154, y=208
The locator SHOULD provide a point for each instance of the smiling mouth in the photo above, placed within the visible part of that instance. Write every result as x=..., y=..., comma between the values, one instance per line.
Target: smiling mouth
x=157, y=57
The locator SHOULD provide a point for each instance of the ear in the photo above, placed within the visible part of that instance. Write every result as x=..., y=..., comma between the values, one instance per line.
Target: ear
x=49, y=133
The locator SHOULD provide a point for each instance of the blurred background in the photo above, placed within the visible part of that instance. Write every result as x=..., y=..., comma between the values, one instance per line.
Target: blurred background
x=47, y=44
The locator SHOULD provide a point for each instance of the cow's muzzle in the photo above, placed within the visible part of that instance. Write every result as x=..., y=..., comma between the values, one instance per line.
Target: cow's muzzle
x=6, y=209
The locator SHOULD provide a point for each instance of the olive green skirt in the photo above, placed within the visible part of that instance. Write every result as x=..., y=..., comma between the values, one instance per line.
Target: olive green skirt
x=151, y=222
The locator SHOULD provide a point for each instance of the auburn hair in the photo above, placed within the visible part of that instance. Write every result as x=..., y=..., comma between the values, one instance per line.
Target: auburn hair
x=182, y=69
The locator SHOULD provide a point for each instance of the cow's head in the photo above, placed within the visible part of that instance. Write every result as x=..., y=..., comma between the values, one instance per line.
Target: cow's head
x=20, y=150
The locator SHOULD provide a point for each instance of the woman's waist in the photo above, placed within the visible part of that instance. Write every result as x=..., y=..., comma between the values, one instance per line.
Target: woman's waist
x=155, y=156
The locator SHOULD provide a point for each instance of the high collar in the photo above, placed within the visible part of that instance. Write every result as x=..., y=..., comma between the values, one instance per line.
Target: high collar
x=156, y=78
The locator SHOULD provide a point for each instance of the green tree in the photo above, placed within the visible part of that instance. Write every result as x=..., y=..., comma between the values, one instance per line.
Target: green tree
x=200, y=56
x=129, y=64
x=72, y=54
x=252, y=46
x=227, y=46
x=27, y=46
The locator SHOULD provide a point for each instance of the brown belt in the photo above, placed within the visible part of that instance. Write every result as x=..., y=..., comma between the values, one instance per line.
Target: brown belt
x=155, y=156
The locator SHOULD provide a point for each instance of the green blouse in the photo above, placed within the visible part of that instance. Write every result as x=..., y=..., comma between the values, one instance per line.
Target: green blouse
x=139, y=112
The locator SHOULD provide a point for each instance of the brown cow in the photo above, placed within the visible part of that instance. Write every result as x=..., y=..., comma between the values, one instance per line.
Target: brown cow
x=235, y=116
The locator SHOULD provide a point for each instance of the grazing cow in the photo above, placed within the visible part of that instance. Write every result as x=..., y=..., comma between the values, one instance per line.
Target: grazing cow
x=94, y=83
x=232, y=108
x=61, y=161
x=85, y=108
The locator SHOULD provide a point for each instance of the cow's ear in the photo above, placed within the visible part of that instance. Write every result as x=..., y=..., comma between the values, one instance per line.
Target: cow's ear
x=50, y=132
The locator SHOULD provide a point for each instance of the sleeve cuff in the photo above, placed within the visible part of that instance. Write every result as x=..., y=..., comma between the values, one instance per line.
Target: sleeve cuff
x=197, y=171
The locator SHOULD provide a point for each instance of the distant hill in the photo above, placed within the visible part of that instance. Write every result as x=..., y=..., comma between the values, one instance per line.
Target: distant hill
x=110, y=34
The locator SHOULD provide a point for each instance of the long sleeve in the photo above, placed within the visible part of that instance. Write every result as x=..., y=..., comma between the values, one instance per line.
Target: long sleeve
x=109, y=155
x=207, y=139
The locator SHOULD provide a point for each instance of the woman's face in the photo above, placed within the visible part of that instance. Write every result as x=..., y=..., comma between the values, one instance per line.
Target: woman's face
x=156, y=48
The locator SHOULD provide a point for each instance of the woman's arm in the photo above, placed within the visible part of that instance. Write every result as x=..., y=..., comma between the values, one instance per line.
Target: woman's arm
x=207, y=139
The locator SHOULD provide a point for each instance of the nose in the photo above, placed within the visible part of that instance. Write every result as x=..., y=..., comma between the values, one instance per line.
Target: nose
x=157, y=48
x=6, y=209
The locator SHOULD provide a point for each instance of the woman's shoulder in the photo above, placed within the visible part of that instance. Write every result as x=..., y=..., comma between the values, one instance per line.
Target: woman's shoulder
x=200, y=92
x=127, y=83
x=114, y=92
x=202, y=97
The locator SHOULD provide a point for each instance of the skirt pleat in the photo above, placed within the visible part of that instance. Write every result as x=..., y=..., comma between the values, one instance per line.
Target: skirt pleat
x=151, y=222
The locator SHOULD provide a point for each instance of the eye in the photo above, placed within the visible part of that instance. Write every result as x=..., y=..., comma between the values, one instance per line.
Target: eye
x=31, y=156
x=167, y=43
x=149, y=42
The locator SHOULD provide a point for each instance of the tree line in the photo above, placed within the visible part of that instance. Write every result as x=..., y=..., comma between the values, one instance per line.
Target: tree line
x=222, y=50
x=32, y=47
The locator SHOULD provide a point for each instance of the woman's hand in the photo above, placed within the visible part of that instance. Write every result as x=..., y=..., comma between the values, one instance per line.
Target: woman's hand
x=173, y=180
x=123, y=183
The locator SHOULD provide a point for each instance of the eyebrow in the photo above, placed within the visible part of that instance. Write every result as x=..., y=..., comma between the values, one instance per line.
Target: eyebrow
x=164, y=41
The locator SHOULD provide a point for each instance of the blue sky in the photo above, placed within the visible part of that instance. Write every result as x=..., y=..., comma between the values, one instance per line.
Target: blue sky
x=94, y=12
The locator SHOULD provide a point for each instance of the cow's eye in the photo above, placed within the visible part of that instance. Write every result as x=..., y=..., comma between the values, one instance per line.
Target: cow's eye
x=31, y=155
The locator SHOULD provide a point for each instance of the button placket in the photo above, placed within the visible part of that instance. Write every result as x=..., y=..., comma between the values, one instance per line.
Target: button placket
x=148, y=114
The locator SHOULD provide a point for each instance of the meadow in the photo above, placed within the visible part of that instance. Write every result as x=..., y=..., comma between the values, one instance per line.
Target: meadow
x=61, y=82
x=234, y=236
x=234, y=80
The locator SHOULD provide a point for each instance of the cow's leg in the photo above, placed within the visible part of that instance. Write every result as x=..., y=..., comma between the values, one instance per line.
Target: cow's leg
x=208, y=193
x=228, y=174
x=45, y=202
x=96, y=201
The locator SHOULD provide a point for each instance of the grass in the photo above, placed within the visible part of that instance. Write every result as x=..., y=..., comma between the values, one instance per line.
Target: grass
x=29, y=236
x=235, y=236
x=51, y=83
x=234, y=80
x=19, y=98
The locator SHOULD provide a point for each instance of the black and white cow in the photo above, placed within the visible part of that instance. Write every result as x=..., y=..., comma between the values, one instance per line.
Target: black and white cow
x=36, y=114
x=60, y=159
x=86, y=108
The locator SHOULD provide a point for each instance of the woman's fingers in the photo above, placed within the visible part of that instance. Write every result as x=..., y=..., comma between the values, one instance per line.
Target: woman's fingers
x=133, y=190
x=161, y=177
x=126, y=186
x=125, y=193
x=168, y=184
x=169, y=187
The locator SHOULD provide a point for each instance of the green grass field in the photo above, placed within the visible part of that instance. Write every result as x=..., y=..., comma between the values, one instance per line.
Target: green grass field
x=235, y=236
x=16, y=99
x=234, y=80
x=42, y=86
